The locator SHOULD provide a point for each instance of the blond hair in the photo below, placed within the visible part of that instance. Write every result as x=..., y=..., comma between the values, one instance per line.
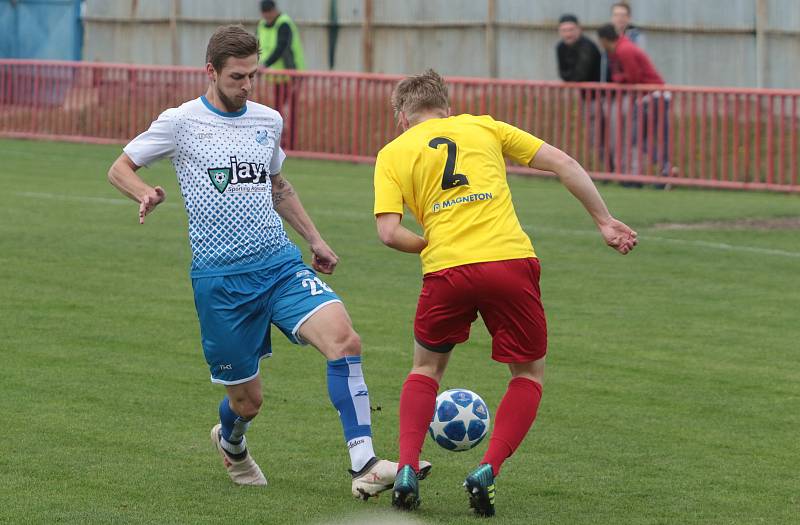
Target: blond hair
x=426, y=91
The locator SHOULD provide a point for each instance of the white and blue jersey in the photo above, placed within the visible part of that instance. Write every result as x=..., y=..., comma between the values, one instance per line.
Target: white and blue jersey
x=246, y=273
x=223, y=162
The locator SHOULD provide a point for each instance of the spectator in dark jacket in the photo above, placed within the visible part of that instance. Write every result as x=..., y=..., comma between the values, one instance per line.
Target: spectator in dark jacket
x=579, y=61
x=578, y=57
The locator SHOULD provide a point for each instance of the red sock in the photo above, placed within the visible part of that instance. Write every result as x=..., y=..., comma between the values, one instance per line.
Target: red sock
x=417, y=403
x=512, y=420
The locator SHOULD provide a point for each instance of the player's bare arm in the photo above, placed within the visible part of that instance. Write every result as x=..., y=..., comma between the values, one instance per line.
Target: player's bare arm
x=395, y=235
x=572, y=175
x=287, y=203
x=122, y=175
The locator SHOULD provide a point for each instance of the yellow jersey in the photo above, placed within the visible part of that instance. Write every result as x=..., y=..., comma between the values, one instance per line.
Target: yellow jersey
x=451, y=174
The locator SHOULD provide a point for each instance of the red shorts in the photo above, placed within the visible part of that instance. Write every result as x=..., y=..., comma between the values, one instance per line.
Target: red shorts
x=506, y=293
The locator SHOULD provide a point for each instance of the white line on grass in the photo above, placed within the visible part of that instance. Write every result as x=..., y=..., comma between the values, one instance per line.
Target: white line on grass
x=127, y=202
x=83, y=198
x=645, y=237
x=669, y=240
x=724, y=246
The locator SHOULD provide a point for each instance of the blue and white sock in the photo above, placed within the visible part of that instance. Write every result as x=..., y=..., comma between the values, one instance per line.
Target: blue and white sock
x=233, y=429
x=350, y=397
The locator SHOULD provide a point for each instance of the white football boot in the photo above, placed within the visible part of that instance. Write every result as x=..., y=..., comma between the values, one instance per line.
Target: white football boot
x=378, y=475
x=243, y=471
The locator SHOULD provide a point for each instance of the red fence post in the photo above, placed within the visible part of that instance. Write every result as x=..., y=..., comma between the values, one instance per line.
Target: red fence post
x=770, y=140
x=757, y=167
x=794, y=140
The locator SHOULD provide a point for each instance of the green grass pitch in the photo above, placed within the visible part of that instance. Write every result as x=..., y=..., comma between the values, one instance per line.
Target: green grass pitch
x=672, y=393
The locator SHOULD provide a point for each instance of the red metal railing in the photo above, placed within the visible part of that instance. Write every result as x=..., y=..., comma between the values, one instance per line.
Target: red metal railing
x=710, y=137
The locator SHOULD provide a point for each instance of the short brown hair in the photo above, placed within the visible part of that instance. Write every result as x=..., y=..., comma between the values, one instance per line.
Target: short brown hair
x=230, y=41
x=420, y=92
x=624, y=5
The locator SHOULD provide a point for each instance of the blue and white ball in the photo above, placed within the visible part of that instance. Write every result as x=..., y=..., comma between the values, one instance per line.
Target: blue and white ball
x=461, y=420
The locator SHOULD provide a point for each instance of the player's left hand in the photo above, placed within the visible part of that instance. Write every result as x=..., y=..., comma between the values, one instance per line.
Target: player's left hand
x=619, y=236
x=323, y=259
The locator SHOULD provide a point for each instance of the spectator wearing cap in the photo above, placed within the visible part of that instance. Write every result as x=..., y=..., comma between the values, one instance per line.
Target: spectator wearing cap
x=578, y=57
x=579, y=61
x=278, y=39
x=281, y=48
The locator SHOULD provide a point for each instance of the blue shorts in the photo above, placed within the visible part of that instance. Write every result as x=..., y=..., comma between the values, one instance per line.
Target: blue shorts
x=235, y=313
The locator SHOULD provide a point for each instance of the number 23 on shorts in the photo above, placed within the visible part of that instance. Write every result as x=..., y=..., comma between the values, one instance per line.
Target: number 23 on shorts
x=317, y=285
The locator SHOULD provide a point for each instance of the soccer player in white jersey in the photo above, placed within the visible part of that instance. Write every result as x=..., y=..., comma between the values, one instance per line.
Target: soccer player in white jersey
x=246, y=273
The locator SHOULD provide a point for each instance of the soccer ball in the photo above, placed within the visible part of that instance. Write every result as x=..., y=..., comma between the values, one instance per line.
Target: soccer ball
x=460, y=421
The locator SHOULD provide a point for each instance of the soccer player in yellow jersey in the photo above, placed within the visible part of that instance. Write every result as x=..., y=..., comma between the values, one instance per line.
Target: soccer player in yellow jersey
x=449, y=171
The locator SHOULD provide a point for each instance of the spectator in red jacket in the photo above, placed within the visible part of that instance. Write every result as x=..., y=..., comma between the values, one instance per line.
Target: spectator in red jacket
x=621, y=20
x=631, y=65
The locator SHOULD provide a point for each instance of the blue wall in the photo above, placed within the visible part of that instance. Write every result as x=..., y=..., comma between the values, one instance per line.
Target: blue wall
x=44, y=29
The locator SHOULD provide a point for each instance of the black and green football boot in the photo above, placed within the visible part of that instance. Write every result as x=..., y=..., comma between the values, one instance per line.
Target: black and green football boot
x=480, y=487
x=405, y=493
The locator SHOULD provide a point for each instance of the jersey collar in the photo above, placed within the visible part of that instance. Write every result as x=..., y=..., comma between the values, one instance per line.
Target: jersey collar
x=223, y=113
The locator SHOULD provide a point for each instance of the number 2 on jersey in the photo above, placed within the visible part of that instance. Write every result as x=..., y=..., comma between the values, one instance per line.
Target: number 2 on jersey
x=450, y=179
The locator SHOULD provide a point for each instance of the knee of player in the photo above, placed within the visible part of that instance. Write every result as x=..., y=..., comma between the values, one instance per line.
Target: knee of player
x=248, y=407
x=251, y=409
x=348, y=344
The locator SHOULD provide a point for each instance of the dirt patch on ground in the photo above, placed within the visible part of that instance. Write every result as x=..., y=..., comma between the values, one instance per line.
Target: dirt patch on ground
x=782, y=223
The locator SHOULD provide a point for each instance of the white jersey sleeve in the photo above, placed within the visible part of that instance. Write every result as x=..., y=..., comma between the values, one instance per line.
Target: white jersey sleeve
x=276, y=162
x=156, y=143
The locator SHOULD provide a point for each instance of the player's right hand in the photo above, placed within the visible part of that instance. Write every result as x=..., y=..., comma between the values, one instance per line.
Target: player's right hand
x=150, y=200
x=619, y=236
x=323, y=259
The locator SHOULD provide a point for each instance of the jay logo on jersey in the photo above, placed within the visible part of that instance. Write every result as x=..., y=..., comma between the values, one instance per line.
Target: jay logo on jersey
x=248, y=177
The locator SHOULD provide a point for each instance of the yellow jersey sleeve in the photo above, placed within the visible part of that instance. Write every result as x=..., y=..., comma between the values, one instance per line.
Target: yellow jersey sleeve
x=518, y=145
x=388, y=195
